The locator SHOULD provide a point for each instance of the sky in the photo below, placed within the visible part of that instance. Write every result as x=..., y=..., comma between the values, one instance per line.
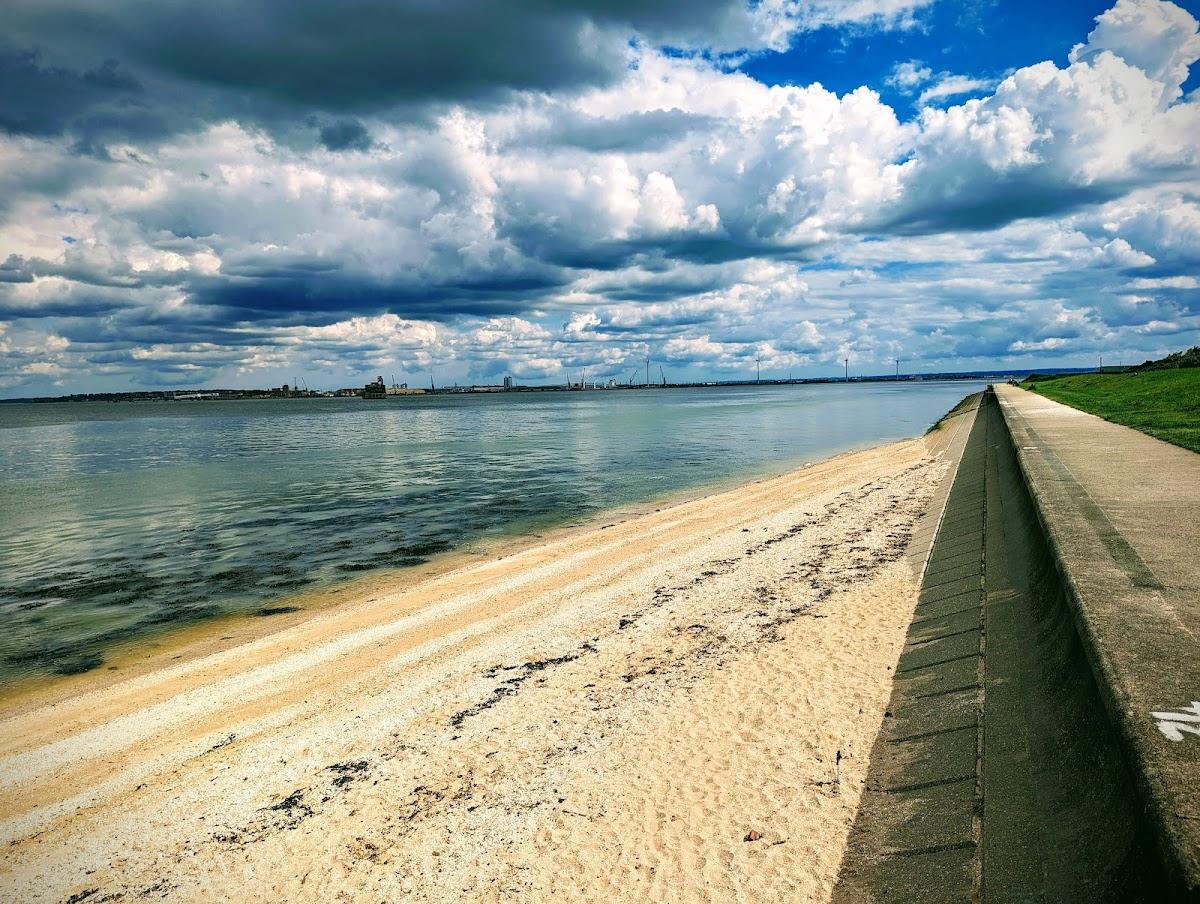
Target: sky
x=243, y=193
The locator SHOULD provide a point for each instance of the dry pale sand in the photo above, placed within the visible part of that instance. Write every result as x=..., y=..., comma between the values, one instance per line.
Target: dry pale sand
x=602, y=716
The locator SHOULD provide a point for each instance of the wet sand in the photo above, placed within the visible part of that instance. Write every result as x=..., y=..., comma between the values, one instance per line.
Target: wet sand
x=605, y=714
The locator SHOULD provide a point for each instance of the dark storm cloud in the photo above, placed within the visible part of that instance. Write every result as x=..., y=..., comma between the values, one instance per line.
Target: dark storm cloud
x=276, y=265
x=41, y=100
x=113, y=337
x=117, y=68
x=938, y=205
x=558, y=242
x=76, y=268
x=78, y=301
x=95, y=102
x=293, y=297
x=15, y=270
x=345, y=135
x=667, y=290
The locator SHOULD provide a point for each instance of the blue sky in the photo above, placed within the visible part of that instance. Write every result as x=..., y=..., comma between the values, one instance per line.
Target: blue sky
x=983, y=39
x=236, y=193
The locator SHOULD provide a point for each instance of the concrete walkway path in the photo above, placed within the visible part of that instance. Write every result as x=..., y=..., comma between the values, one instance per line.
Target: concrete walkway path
x=1122, y=513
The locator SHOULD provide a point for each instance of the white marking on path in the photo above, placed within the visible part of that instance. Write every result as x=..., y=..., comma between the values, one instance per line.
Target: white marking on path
x=1174, y=724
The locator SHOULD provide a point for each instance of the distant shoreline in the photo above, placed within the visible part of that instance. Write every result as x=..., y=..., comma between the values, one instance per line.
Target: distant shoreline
x=204, y=394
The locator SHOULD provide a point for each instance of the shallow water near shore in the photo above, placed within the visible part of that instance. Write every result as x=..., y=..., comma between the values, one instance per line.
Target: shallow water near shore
x=119, y=521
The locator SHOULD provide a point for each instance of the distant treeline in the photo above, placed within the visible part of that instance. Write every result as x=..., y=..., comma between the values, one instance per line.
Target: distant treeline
x=1189, y=358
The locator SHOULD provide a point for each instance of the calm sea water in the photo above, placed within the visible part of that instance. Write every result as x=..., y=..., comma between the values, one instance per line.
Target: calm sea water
x=120, y=520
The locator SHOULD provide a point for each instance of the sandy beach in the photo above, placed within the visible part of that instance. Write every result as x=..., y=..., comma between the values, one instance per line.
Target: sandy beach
x=605, y=715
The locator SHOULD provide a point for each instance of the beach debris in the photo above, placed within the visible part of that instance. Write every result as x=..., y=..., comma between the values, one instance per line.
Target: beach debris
x=836, y=781
x=292, y=803
x=753, y=835
x=513, y=684
x=348, y=771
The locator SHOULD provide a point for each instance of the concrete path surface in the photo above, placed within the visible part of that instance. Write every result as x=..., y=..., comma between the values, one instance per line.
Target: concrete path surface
x=1121, y=511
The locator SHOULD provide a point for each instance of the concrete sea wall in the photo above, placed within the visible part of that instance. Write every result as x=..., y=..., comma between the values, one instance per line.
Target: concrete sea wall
x=1003, y=770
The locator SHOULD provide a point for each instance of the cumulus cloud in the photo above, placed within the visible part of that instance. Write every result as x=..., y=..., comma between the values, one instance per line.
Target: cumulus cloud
x=1160, y=39
x=621, y=200
x=1050, y=140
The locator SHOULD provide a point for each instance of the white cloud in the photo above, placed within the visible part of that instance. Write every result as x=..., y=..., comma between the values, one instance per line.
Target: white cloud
x=382, y=331
x=1166, y=282
x=909, y=75
x=1158, y=38
x=1049, y=139
x=773, y=23
x=1119, y=253
x=949, y=85
x=1049, y=344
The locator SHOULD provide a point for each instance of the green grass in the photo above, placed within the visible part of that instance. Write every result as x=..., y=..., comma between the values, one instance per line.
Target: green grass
x=1163, y=403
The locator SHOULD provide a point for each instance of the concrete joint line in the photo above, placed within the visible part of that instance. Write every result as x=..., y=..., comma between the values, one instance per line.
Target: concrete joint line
x=937, y=783
x=933, y=849
x=953, y=690
x=929, y=665
x=931, y=734
x=921, y=621
x=917, y=644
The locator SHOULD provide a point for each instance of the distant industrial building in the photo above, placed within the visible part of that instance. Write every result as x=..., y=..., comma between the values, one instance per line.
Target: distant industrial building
x=508, y=383
x=195, y=396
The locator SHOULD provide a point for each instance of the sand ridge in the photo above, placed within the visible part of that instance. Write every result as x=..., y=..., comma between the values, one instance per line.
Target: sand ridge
x=605, y=715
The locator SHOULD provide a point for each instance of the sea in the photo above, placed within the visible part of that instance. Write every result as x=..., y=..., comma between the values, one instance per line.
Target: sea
x=120, y=521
